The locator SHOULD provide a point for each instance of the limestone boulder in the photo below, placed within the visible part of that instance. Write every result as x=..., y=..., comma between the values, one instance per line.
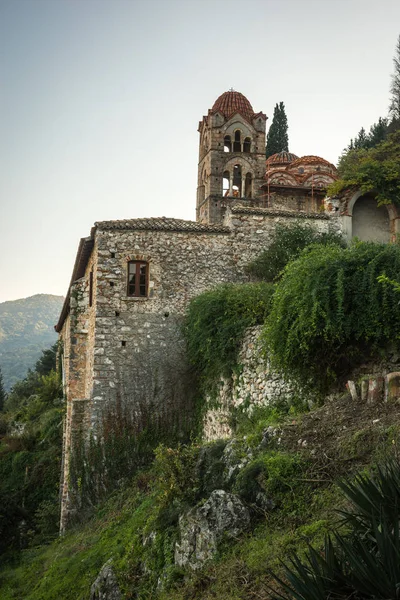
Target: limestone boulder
x=223, y=515
x=105, y=586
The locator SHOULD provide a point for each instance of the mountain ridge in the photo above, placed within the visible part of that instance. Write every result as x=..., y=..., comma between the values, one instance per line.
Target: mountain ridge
x=26, y=328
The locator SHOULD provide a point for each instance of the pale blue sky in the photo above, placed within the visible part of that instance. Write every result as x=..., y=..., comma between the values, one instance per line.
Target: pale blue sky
x=100, y=102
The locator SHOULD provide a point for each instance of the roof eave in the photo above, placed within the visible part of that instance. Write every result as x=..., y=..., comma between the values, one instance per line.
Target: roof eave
x=82, y=258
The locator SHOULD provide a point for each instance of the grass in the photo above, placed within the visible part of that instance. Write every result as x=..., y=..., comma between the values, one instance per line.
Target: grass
x=301, y=483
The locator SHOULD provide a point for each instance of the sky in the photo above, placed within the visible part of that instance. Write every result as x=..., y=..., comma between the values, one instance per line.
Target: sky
x=100, y=102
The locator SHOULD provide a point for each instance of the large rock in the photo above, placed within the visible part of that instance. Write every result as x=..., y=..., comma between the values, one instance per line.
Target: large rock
x=105, y=587
x=222, y=516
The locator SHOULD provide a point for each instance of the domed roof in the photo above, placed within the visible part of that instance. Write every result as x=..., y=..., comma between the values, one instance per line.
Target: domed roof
x=233, y=102
x=282, y=158
x=311, y=160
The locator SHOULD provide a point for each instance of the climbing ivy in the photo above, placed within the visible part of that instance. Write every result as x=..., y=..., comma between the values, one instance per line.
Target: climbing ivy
x=215, y=323
x=330, y=311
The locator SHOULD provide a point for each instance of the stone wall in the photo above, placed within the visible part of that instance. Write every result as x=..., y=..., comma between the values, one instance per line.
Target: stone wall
x=131, y=350
x=254, y=385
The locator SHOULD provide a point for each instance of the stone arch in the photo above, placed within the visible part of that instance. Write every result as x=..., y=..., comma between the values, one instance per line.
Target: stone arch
x=368, y=221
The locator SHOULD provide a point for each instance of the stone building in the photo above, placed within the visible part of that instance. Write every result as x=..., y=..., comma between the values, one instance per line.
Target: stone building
x=120, y=325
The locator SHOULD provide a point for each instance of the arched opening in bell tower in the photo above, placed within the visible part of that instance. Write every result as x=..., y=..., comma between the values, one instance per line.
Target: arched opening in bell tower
x=227, y=144
x=237, y=181
x=237, y=144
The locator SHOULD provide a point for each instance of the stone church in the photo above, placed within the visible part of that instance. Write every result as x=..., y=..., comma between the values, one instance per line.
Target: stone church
x=120, y=325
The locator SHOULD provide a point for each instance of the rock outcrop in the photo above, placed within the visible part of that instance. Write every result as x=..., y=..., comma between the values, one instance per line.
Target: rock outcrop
x=106, y=586
x=201, y=529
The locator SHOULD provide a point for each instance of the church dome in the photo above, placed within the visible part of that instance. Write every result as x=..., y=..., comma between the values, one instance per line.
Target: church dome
x=282, y=158
x=233, y=102
x=311, y=160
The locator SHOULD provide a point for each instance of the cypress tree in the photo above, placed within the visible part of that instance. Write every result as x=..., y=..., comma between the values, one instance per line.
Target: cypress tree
x=394, y=107
x=3, y=394
x=277, y=138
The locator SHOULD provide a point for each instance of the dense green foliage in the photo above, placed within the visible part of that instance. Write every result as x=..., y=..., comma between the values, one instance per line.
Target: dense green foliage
x=215, y=324
x=378, y=133
x=363, y=563
x=30, y=460
x=330, y=312
x=138, y=526
x=287, y=242
x=3, y=395
x=277, y=137
x=394, y=106
x=26, y=328
x=374, y=170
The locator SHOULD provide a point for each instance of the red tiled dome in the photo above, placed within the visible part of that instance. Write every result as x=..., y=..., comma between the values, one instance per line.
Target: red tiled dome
x=311, y=160
x=282, y=158
x=232, y=102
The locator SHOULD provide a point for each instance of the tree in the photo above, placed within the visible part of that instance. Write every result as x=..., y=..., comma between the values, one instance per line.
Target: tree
x=47, y=362
x=277, y=138
x=3, y=394
x=394, y=107
x=374, y=170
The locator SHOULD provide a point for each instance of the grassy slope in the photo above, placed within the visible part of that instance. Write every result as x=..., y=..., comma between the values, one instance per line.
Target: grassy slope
x=336, y=440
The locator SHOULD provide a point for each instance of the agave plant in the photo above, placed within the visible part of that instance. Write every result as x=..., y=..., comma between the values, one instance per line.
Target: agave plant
x=363, y=564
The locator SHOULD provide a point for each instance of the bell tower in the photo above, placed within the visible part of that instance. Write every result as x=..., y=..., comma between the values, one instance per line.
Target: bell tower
x=231, y=157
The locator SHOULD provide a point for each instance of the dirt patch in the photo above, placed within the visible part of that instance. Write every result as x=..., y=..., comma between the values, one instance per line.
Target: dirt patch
x=344, y=435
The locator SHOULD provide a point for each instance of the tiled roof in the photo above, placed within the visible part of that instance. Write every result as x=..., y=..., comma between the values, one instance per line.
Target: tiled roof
x=161, y=224
x=233, y=102
x=244, y=210
x=311, y=160
x=282, y=158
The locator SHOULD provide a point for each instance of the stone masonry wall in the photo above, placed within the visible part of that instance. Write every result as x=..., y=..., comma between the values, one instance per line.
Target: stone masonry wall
x=131, y=350
x=77, y=337
x=255, y=385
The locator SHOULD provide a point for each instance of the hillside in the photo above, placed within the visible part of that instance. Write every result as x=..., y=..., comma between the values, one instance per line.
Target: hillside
x=138, y=527
x=26, y=328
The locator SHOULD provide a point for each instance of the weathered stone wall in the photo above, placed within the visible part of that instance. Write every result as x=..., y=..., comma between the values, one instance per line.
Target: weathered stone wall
x=130, y=349
x=77, y=338
x=256, y=384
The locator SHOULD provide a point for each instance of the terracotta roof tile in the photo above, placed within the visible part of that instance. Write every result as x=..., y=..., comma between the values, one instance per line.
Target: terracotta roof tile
x=311, y=160
x=282, y=158
x=233, y=102
x=161, y=224
x=244, y=210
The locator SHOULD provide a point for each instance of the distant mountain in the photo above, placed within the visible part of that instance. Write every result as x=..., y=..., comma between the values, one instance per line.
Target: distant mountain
x=26, y=328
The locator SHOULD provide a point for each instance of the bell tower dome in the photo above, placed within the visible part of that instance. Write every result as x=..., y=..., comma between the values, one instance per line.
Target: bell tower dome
x=231, y=157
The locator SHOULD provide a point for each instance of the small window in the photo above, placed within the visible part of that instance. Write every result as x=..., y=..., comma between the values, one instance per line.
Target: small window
x=137, y=278
x=227, y=144
x=247, y=145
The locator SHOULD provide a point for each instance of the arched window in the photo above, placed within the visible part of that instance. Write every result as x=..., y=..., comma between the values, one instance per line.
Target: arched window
x=237, y=145
x=225, y=183
x=237, y=181
x=227, y=144
x=246, y=144
x=248, y=186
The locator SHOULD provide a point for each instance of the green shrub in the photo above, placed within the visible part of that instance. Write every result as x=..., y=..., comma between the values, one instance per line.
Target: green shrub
x=365, y=562
x=274, y=474
x=215, y=323
x=287, y=243
x=330, y=312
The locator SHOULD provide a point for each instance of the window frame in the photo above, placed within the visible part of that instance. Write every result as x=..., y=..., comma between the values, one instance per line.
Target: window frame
x=137, y=284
